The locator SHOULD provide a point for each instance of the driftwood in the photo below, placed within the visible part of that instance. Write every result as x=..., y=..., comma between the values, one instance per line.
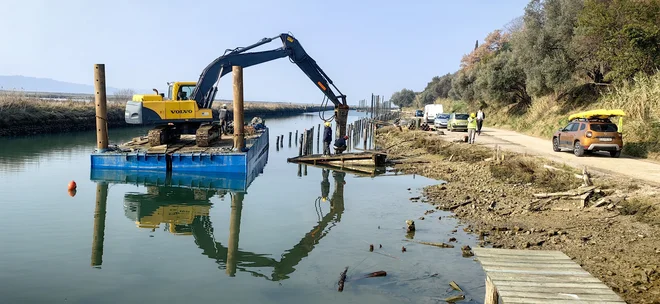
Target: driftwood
x=455, y=298
x=577, y=192
x=374, y=274
x=342, y=279
x=557, y=169
x=441, y=245
x=455, y=286
x=460, y=205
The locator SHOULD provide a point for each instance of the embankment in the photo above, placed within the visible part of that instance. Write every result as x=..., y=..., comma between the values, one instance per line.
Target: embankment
x=640, y=101
x=618, y=241
x=20, y=115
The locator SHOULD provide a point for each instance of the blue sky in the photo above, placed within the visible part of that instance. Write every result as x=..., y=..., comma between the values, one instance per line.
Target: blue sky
x=365, y=46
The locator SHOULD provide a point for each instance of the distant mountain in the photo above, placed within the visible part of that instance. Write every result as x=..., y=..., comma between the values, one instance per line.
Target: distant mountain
x=34, y=84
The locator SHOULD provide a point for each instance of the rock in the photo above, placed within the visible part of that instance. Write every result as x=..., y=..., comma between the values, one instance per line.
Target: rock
x=552, y=232
x=415, y=198
x=410, y=225
x=421, y=218
x=452, y=239
x=440, y=217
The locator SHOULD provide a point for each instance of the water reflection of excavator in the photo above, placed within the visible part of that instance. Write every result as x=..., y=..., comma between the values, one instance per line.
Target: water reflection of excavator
x=187, y=109
x=186, y=211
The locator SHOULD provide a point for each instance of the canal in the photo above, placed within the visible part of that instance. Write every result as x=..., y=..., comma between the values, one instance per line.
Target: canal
x=285, y=240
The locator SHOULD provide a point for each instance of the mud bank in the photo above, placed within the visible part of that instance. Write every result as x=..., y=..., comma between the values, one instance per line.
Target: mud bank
x=614, y=234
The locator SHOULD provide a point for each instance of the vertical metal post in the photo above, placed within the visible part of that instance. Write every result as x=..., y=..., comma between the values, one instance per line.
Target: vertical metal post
x=239, y=139
x=101, y=108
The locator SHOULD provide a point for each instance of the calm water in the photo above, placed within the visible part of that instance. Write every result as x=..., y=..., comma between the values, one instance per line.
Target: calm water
x=278, y=243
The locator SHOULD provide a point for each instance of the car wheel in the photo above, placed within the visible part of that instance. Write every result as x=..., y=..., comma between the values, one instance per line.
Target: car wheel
x=578, y=150
x=555, y=144
x=615, y=154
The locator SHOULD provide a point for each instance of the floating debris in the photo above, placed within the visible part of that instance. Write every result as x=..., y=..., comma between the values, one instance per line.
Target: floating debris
x=441, y=245
x=455, y=286
x=342, y=279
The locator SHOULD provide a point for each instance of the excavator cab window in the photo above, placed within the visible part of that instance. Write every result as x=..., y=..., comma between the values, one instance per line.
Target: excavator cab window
x=169, y=92
x=185, y=92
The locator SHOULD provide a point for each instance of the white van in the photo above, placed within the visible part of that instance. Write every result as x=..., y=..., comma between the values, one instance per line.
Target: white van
x=431, y=111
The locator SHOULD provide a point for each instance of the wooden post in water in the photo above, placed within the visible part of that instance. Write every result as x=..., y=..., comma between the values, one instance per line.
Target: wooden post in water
x=300, y=149
x=306, y=143
x=99, y=223
x=234, y=231
x=277, y=142
x=101, y=108
x=289, y=139
x=239, y=139
x=282, y=140
x=296, y=137
x=318, y=139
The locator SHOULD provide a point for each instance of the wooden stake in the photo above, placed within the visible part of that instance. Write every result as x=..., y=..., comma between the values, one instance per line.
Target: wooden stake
x=239, y=139
x=492, y=296
x=101, y=108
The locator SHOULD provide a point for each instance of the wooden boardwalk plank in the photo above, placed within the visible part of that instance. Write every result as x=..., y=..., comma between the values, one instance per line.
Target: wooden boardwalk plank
x=536, y=276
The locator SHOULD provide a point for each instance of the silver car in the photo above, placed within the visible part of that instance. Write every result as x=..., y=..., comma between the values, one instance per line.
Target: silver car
x=441, y=120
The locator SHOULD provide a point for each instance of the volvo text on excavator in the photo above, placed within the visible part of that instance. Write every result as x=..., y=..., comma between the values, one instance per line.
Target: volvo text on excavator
x=187, y=107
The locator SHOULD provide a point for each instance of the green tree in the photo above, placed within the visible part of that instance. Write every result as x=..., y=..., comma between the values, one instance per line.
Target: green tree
x=403, y=98
x=544, y=44
x=620, y=37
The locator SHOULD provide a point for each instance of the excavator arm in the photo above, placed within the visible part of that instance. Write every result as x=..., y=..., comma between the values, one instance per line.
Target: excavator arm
x=206, y=88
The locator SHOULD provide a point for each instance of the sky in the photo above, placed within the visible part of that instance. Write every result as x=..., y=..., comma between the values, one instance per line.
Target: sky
x=366, y=47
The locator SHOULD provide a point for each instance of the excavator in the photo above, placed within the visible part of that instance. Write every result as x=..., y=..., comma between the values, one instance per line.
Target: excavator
x=187, y=107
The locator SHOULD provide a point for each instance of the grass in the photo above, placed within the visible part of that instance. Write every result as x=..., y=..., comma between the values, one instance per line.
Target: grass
x=21, y=114
x=525, y=169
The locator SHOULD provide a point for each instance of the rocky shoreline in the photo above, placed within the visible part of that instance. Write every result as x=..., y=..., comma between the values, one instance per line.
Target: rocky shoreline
x=614, y=232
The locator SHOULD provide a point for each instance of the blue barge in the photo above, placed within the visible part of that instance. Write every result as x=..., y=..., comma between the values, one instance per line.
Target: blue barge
x=185, y=156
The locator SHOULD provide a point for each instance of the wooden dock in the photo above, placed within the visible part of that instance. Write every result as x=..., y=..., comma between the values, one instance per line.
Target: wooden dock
x=369, y=159
x=539, y=276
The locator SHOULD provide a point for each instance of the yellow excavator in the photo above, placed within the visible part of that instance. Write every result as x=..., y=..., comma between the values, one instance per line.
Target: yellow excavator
x=187, y=107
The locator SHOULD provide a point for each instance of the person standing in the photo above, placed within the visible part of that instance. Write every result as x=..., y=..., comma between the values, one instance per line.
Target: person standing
x=327, y=138
x=480, y=120
x=472, y=128
x=223, y=115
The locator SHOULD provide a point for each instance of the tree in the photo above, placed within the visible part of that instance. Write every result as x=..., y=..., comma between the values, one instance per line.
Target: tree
x=495, y=41
x=123, y=95
x=543, y=46
x=504, y=80
x=403, y=98
x=620, y=38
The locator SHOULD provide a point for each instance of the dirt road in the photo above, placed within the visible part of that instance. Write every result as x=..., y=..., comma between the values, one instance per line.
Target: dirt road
x=514, y=141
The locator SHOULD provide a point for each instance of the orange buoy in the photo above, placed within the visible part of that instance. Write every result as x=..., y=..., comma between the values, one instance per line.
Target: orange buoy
x=72, y=185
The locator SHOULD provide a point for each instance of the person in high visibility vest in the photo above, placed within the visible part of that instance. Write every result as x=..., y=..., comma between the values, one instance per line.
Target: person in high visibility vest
x=472, y=127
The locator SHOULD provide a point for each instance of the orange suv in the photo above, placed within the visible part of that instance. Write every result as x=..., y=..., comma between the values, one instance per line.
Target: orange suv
x=589, y=135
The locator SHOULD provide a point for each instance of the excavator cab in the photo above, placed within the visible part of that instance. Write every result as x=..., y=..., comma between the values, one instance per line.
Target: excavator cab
x=183, y=90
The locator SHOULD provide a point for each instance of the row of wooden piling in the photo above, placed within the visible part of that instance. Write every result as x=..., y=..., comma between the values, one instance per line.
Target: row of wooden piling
x=360, y=131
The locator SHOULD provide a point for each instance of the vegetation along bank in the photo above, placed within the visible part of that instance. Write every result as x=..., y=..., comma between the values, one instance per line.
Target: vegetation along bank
x=560, y=57
x=25, y=115
x=612, y=228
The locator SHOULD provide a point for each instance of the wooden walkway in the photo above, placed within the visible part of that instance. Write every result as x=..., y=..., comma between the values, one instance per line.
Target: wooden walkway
x=539, y=276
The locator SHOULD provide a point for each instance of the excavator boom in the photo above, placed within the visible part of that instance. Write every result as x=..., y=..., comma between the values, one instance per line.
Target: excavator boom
x=206, y=88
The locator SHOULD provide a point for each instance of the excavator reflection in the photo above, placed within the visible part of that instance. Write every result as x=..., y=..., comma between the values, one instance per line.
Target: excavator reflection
x=184, y=210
